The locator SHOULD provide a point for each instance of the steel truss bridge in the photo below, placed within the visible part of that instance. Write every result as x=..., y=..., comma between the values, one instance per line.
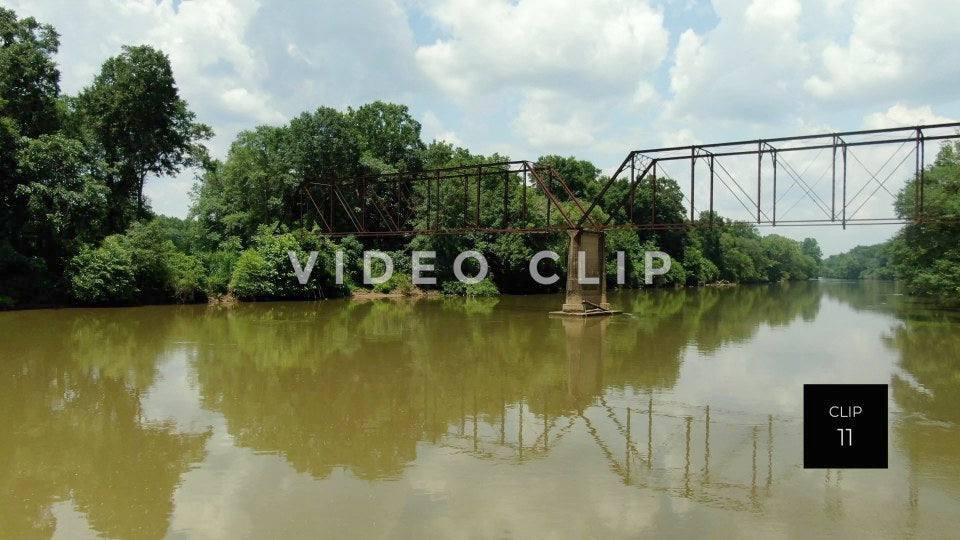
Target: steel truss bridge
x=822, y=179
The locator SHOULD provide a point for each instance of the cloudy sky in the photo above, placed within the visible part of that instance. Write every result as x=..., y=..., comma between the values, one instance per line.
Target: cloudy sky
x=531, y=77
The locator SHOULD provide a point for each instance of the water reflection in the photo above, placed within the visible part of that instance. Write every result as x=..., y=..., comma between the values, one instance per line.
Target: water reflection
x=385, y=391
x=71, y=428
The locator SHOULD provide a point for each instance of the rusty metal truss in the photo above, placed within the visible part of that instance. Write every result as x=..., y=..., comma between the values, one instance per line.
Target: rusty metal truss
x=831, y=179
x=449, y=200
x=755, y=188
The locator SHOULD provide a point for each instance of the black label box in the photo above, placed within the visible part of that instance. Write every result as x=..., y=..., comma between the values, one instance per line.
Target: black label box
x=845, y=426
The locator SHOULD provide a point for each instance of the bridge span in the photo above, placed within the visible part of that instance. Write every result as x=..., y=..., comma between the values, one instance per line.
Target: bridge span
x=841, y=178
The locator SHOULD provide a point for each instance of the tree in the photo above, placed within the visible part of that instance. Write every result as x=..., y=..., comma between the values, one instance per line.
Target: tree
x=580, y=175
x=134, y=114
x=388, y=135
x=251, y=187
x=861, y=262
x=811, y=248
x=927, y=255
x=29, y=79
x=324, y=144
x=60, y=201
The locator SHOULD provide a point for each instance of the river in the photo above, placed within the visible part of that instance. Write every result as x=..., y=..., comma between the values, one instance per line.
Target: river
x=474, y=418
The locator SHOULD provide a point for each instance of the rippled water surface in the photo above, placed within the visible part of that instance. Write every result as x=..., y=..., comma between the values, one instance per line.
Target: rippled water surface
x=473, y=418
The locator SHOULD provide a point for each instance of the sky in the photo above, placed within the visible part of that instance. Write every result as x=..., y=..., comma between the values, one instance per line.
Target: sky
x=527, y=78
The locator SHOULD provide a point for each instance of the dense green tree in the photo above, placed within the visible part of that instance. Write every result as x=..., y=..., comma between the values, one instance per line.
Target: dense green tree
x=811, y=248
x=251, y=187
x=141, y=266
x=927, y=255
x=264, y=270
x=324, y=144
x=29, y=78
x=861, y=262
x=580, y=175
x=389, y=136
x=786, y=260
x=59, y=201
x=134, y=114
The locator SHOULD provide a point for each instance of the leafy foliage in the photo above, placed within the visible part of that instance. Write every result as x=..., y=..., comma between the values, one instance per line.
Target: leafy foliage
x=138, y=124
x=481, y=289
x=861, y=262
x=926, y=256
x=264, y=270
x=29, y=78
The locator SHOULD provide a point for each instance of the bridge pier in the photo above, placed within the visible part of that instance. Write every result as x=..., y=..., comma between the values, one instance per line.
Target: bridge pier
x=586, y=281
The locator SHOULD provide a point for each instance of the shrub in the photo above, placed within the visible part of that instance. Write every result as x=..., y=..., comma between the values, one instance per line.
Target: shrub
x=485, y=288
x=186, y=277
x=264, y=271
x=142, y=266
x=103, y=275
x=219, y=266
x=252, y=277
x=397, y=284
x=700, y=270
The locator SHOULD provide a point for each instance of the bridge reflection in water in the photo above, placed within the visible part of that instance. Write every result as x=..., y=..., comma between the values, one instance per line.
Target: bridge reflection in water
x=632, y=438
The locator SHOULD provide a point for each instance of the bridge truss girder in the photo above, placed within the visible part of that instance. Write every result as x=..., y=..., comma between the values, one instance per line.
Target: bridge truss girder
x=642, y=166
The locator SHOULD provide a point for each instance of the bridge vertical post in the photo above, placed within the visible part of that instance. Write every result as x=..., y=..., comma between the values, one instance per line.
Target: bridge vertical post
x=653, y=192
x=774, y=154
x=633, y=174
x=916, y=175
x=711, y=189
x=843, y=205
x=759, y=166
x=479, y=183
x=923, y=167
x=833, y=182
x=523, y=212
x=693, y=170
x=549, y=189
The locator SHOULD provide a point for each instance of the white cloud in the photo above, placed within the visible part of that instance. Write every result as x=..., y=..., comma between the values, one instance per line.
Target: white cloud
x=250, y=104
x=747, y=67
x=564, y=65
x=899, y=115
x=432, y=129
x=895, y=48
x=542, y=43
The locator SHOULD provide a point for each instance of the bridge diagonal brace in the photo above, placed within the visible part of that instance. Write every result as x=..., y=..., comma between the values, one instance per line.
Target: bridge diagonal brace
x=319, y=211
x=345, y=206
x=630, y=192
x=563, y=184
x=552, y=199
x=385, y=215
x=603, y=191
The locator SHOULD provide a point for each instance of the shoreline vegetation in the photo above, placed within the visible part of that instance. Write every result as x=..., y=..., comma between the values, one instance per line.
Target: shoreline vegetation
x=924, y=257
x=76, y=228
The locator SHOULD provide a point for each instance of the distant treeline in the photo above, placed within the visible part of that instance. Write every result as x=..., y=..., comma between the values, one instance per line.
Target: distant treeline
x=861, y=262
x=75, y=226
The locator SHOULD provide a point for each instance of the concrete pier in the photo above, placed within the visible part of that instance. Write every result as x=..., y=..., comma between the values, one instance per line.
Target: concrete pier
x=586, y=283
